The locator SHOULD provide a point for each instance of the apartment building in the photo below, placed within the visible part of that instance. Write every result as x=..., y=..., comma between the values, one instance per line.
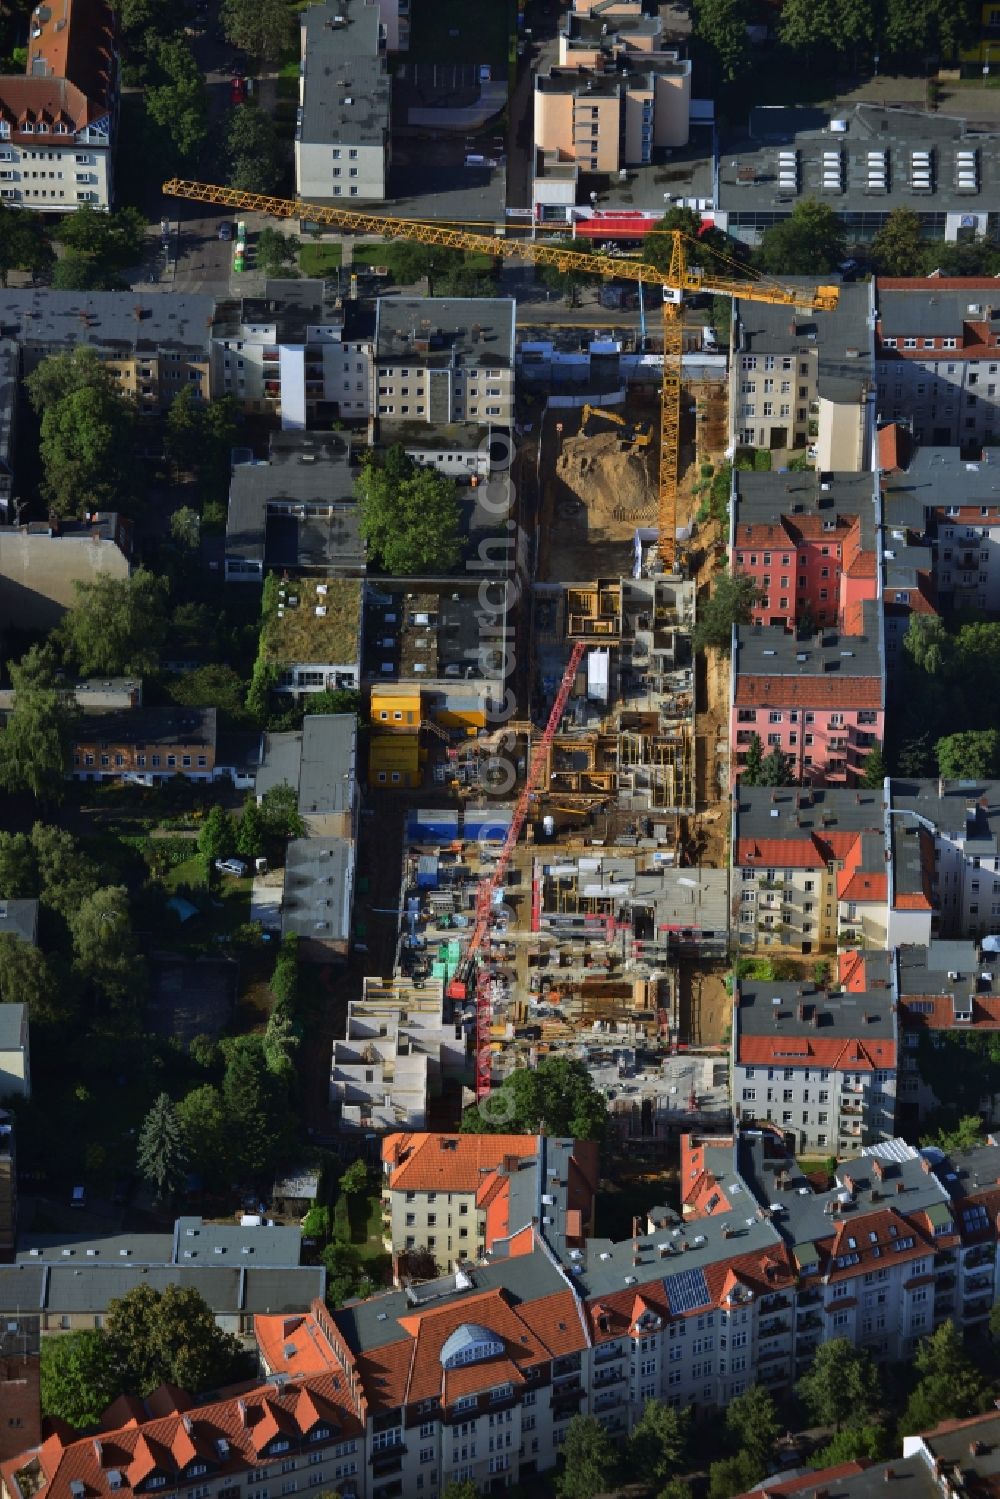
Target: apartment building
x=301, y=351
x=937, y=357
x=608, y=107
x=862, y=162
x=948, y=508
x=945, y=864
x=58, y=123
x=401, y=1041
x=445, y=359
x=805, y=380
x=145, y=746
x=311, y=636
x=296, y=513
x=20, y=1385
x=41, y=562
x=819, y=698
x=946, y=987
x=809, y=868
x=809, y=542
x=821, y=1065
x=456, y=1195
x=342, y=145
x=319, y=763
x=15, y=1051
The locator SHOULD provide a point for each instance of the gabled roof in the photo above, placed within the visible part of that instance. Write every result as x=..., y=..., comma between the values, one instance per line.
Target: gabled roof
x=425, y=1162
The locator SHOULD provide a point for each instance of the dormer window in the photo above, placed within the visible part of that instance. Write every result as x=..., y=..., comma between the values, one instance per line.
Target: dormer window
x=5, y=130
x=196, y=1469
x=27, y=128
x=319, y=1433
x=156, y=1482
x=279, y=1446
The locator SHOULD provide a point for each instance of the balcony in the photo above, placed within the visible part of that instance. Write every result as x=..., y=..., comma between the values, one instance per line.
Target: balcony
x=607, y=1377
x=811, y=1297
x=770, y=1355
x=810, y=1323
x=973, y=1310
x=776, y=1329
x=385, y=1464
x=779, y=1303
x=944, y=1283
x=983, y=1255
x=978, y=1285
x=605, y=1355
x=606, y=1401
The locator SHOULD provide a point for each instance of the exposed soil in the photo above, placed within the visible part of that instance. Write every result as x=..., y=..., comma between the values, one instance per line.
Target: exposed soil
x=704, y=1006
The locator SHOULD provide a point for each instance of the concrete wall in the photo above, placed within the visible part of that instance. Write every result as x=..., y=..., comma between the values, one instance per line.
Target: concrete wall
x=323, y=169
x=841, y=440
x=56, y=179
x=37, y=574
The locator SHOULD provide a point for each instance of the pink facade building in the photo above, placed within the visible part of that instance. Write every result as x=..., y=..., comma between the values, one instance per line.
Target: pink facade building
x=809, y=542
x=819, y=697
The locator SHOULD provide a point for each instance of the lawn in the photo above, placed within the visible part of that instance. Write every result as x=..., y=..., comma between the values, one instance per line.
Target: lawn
x=366, y=1224
x=319, y=260
x=385, y=253
x=288, y=79
x=472, y=31
x=221, y=911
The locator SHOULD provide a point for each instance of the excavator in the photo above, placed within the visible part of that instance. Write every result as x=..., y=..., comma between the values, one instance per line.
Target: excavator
x=634, y=434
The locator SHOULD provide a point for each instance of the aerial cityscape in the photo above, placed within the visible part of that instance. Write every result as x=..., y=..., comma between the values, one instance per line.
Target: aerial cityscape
x=499, y=749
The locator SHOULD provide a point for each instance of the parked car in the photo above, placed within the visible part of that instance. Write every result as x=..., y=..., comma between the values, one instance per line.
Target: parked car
x=225, y=230
x=238, y=867
x=78, y=1198
x=238, y=90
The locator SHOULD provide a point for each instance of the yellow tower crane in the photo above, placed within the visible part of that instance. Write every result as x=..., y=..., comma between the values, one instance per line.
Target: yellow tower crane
x=682, y=276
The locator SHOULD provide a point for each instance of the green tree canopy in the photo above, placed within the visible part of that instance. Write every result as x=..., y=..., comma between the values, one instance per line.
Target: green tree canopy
x=753, y=768
x=115, y=239
x=969, y=756
x=75, y=271
x=829, y=25
x=264, y=28
x=854, y=1444
x=277, y=253
x=703, y=244
x=589, y=1460
x=255, y=154
x=162, y=1157
x=733, y=1475
x=410, y=516
x=776, y=769
x=752, y=1424
x=658, y=1442
x=86, y=439
x=216, y=835
x=279, y=809
x=967, y=1134
x=66, y=878
x=171, y=1336
x=810, y=242
x=897, y=248
x=950, y=1386
x=34, y=742
x=24, y=245
x=733, y=601
x=355, y=1179
x=185, y=528
x=175, y=96
x=842, y=1387
x=558, y=1093
x=875, y=769
x=104, y=949
x=19, y=877
x=250, y=831
x=78, y=1377
x=117, y=625
x=256, y=1103
x=567, y=282
x=721, y=27
x=26, y=979
x=206, y=1132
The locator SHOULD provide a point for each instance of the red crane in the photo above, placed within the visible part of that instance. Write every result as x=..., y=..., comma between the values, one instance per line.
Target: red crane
x=494, y=881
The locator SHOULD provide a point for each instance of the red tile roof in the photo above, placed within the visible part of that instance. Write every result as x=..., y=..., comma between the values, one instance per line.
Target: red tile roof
x=783, y=853
x=294, y=1344
x=811, y=691
x=807, y=1482
x=428, y=1162
x=836, y=1052
x=243, y=1425
x=985, y=1012
x=893, y=448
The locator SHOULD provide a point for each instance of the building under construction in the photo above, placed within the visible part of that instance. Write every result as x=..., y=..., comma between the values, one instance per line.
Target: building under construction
x=628, y=736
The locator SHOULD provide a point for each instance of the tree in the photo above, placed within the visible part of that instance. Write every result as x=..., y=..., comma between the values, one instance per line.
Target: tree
x=969, y=756
x=875, y=770
x=215, y=836
x=854, y=1444
x=86, y=433
x=183, y=430
x=733, y=1475
x=345, y=1276
x=950, y=1387
x=277, y=252
x=264, y=28
x=34, y=741
x=658, y=1442
x=721, y=25
x=162, y=1157
x=842, y=1386
x=409, y=516
x=830, y=25
x=355, y=1179
x=809, y=242
x=250, y=831
x=257, y=1105
x=117, y=625
x=206, y=1132
x=897, y=248
x=74, y=271
x=185, y=528
x=175, y=96
x=966, y=1135
x=929, y=645
x=558, y=1093
x=566, y=282
x=281, y=1041
x=589, y=1460
x=279, y=810
x=66, y=877
x=703, y=240
x=735, y=597
x=19, y=878
x=171, y=1336
x=24, y=245
x=750, y=775
x=255, y=156
x=465, y=1490
x=776, y=769
x=115, y=240
x=334, y=700
x=25, y=979
x=752, y=1424
x=104, y=949
x=78, y=1377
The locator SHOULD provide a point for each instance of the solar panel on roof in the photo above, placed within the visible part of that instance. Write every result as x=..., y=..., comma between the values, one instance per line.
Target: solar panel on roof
x=687, y=1291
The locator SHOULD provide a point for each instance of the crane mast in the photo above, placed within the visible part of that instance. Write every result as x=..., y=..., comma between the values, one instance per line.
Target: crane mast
x=681, y=276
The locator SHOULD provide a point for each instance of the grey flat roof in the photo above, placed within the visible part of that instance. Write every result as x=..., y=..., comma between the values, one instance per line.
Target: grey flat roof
x=769, y=498
x=317, y=894
x=748, y=163
x=318, y=761
x=312, y=470
x=139, y=1249
x=767, y=650
x=151, y=726
x=347, y=89
x=842, y=338
x=10, y=358
x=449, y=437
x=966, y=810
x=11, y=1025
x=475, y=330
x=802, y=811
x=19, y=918
x=939, y=477
x=926, y=310
x=108, y=319
x=840, y=1015
x=926, y=972
x=275, y=1246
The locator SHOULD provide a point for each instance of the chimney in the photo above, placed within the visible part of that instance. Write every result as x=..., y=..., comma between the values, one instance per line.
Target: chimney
x=976, y=1449
x=849, y=1185
x=801, y=1010
x=940, y=787
x=899, y=1188
x=877, y=1170
x=888, y=1476
x=925, y=1164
